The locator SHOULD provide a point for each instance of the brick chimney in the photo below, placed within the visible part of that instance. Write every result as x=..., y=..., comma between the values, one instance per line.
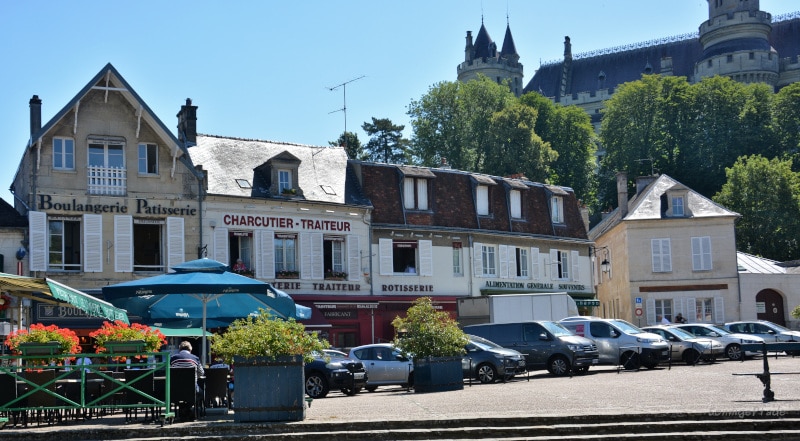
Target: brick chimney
x=622, y=193
x=36, y=114
x=187, y=123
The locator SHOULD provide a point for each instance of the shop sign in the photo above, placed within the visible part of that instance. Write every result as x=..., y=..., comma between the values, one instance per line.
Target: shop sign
x=143, y=206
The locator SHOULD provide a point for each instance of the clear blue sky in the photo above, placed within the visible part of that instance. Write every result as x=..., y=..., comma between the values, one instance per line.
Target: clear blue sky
x=263, y=69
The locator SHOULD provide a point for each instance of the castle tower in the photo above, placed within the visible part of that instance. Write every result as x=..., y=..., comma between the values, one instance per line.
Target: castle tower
x=481, y=56
x=735, y=42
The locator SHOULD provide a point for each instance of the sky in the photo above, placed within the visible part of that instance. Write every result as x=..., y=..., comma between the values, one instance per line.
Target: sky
x=292, y=71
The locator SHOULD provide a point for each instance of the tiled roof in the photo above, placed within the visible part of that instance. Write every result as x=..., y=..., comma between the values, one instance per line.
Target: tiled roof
x=322, y=170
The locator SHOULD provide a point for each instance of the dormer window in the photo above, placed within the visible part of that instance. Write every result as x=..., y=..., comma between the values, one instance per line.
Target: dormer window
x=677, y=206
x=280, y=174
x=516, y=204
x=284, y=181
x=415, y=193
x=482, y=200
x=677, y=200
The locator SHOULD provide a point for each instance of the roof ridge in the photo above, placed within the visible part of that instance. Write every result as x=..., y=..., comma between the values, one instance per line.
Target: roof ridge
x=237, y=138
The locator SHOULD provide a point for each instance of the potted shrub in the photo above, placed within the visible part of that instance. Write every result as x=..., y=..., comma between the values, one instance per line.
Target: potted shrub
x=435, y=342
x=43, y=340
x=268, y=355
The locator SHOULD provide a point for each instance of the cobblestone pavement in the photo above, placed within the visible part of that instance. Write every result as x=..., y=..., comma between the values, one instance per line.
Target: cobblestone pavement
x=708, y=389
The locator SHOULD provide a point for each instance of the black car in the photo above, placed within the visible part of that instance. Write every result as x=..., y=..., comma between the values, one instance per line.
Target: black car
x=329, y=371
x=487, y=361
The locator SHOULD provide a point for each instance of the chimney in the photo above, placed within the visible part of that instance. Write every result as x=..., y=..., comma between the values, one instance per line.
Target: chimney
x=643, y=181
x=36, y=114
x=187, y=123
x=622, y=193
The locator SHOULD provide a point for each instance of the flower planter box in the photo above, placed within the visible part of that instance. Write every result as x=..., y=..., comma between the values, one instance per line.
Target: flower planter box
x=269, y=389
x=33, y=348
x=438, y=374
x=124, y=346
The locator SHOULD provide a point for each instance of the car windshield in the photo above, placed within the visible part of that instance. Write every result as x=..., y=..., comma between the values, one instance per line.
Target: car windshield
x=483, y=343
x=718, y=330
x=626, y=327
x=556, y=329
x=680, y=333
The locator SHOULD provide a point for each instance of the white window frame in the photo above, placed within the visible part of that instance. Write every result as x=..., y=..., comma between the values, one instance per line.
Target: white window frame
x=415, y=193
x=161, y=262
x=515, y=197
x=55, y=254
x=560, y=265
x=701, y=254
x=664, y=308
x=557, y=209
x=63, y=153
x=284, y=180
x=677, y=206
x=285, y=256
x=521, y=270
x=489, y=260
x=147, y=156
x=458, y=259
x=661, y=255
x=106, y=152
x=482, y=200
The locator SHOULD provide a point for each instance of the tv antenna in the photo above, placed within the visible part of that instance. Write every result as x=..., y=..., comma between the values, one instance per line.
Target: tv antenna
x=652, y=171
x=344, y=103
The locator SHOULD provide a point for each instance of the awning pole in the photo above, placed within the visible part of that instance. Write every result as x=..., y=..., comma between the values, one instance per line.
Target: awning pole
x=204, y=359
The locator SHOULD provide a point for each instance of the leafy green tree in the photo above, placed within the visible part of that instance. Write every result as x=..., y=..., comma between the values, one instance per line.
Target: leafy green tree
x=513, y=147
x=786, y=119
x=569, y=131
x=352, y=145
x=767, y=195
x=426, y=332
x=386, y=142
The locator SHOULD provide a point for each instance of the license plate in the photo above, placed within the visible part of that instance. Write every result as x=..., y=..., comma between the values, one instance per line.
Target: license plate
x=358, y=375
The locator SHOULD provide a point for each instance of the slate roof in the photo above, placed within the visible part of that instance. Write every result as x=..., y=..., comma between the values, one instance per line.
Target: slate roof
x=749, y=264
x=646, y=205
x=10, y=218
x=629, y=63
x=323, y=171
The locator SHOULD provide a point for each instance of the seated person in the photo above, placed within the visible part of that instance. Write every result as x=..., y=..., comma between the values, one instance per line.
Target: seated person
x=185, y=358
x=239, y=266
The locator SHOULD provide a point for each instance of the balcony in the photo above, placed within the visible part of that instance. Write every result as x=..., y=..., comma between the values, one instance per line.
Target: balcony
x=107, y=180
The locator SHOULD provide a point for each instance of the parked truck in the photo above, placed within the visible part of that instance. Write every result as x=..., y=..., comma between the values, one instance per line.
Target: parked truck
x=514, y=308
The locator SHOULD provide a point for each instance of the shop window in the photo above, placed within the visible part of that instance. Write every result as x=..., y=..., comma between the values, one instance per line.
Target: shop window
x=147, y=246
x=64, y=245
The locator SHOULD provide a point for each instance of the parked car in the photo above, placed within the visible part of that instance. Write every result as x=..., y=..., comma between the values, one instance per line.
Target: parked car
x=730, y=340
x=685, y=346
x=330, y=370
x=545, y=344
x=386, y=365
x=770, y=332
x=486, y=361
x=619, y=342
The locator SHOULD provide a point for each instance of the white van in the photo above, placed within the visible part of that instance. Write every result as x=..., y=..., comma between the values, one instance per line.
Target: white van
x=619, y=342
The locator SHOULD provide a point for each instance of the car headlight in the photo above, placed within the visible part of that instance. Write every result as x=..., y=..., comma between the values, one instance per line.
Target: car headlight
x=751, y=341
x=574, y=348
x=498, y=356
x=647, y=340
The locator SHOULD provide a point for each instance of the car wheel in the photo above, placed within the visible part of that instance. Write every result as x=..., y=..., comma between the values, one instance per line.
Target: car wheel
x=351, y=390
x=734, y=352
x=558, y=365
x=630, y=361
x=316, y=386
x=486, y=373
x=371, y=388
x=691, y=356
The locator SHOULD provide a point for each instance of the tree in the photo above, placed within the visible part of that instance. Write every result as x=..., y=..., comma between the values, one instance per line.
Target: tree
x=352, y=145
x=386, y=143
x=767, y=195
x=786, y=119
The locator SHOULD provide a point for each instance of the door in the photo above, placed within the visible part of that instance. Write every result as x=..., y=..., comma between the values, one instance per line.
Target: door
x=386, y=365
x=607, y=340
x=536, y=345
x=769, y=305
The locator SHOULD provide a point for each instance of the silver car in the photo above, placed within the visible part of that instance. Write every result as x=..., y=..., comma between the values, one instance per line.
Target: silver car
x=685, y=346
x=385, y=364
x=731, y=341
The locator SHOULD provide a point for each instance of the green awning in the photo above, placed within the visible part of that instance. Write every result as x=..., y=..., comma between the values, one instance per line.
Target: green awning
x=587, y=302
x=181, y=332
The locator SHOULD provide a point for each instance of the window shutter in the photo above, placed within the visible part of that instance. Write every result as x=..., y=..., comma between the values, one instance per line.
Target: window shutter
x=574, y=255
x=311, y=264
x=266, y=255
x=651, y=312
x=425, y=258
x=535, y=263
x=691, y=309
x=516, y=204
x=123, y=244
x=408, y=193
x=655, y=252
x=477, y=259
x=176, y=253
x=385, y=249
x=666, y=255
x=502, y=250
x=221, y=245
x=512, y=261
x=37, y=222
x=353, y=258
x=719, y=309
x=482, y=199
x=680, y=307
x=422, y=194
x=92, y=243
x=553, y=264
x=697, y=254
x=706, y=245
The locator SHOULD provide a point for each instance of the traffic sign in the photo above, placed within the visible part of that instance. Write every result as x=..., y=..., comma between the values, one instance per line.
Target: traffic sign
x=639, y=312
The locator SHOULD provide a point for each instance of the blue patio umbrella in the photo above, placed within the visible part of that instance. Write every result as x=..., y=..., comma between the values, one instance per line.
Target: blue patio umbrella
x=200, y=293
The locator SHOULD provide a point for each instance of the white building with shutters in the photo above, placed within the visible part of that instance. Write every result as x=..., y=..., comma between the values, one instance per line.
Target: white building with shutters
x=109, y=192
x=670, y=250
